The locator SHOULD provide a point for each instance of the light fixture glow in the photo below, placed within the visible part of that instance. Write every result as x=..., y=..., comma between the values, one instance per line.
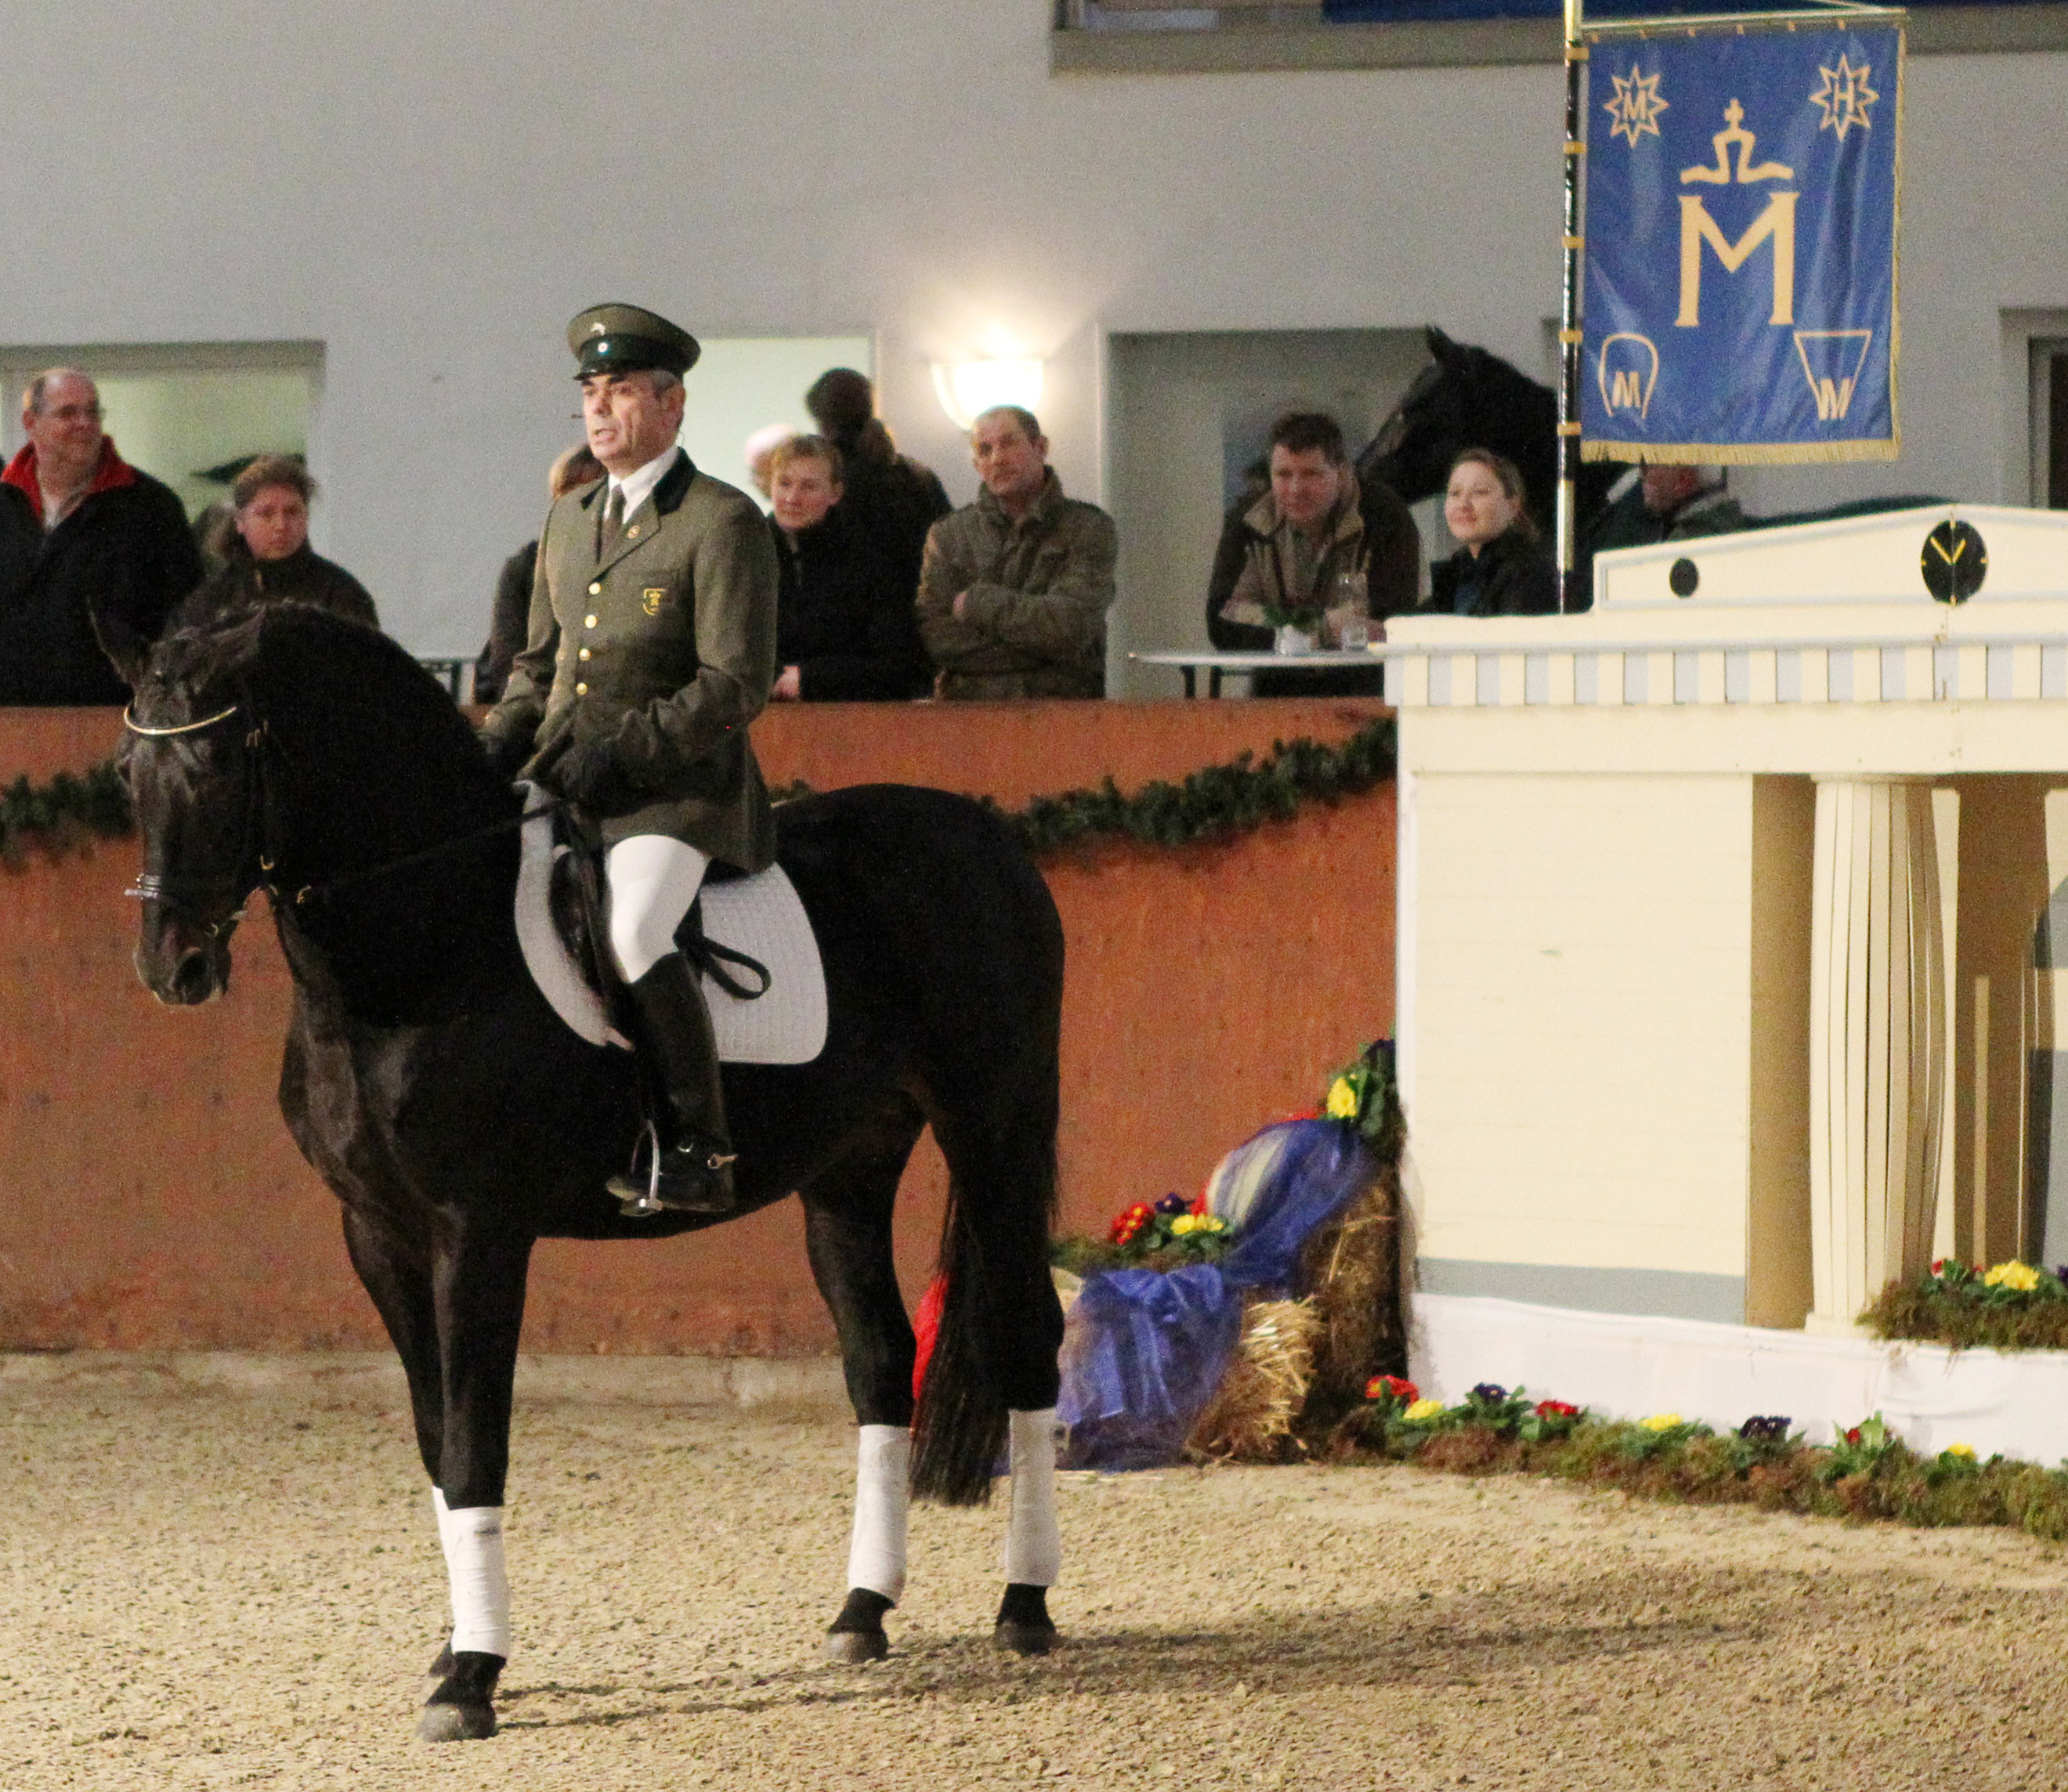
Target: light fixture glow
x=969, y=388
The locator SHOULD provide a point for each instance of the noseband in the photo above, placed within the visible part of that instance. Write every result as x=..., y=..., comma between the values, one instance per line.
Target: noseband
x=187, y=896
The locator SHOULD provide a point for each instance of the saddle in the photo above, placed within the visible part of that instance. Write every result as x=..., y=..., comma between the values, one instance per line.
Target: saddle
x=748, y=937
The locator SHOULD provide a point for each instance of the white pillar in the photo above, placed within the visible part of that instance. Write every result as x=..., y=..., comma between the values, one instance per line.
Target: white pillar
x=1877, y=1042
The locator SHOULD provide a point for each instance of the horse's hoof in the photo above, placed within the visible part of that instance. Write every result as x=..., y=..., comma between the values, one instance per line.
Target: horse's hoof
x=461, y=1707
x=456, y=1723
x=847, y=1647
x=442, y=1665
x=1018, y=1638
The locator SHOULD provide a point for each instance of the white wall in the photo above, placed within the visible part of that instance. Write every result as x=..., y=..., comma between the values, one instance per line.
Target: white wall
x=432, y=191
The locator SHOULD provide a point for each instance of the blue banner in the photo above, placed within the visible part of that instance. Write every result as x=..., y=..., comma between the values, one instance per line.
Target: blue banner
x=1741, y=205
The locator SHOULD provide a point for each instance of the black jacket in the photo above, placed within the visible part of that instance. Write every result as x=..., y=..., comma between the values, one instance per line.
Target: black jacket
x=125, y=554
x=890, y=501
x=303, y=576
x=509, y=622
x=1511, y=576
x=844, y=616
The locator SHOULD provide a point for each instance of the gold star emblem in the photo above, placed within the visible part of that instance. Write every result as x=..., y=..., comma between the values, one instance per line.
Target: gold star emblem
x=1636, y=106
x=1844, y=97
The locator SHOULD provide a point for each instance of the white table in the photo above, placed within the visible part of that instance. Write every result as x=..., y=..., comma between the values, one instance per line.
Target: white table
x=1214, y=664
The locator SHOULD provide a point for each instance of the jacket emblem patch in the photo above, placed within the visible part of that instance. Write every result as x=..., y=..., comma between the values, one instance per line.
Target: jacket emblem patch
x=649, y=599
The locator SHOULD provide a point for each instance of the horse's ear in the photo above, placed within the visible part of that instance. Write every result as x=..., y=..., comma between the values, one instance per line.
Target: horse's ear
x=129, y=651
x=1440, y=345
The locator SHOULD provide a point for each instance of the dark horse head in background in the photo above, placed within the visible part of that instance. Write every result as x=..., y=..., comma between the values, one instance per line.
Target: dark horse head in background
x=1469, y=398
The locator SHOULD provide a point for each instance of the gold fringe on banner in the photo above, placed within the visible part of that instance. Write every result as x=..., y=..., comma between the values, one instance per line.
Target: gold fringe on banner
x=1715, y=454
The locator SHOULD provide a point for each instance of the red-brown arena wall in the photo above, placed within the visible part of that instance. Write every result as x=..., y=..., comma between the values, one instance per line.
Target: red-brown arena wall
x=150, y=1197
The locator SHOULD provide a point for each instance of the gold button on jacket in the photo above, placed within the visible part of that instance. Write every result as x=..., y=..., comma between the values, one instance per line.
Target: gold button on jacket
x=681, y=622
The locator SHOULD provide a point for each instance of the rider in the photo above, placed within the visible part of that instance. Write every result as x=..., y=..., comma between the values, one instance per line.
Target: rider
x=652, y=646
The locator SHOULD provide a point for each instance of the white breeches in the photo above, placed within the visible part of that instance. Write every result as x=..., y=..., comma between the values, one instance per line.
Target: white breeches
x=652, y=879
x=882, y=1500
x=473, y=1540
x=1033, y=1544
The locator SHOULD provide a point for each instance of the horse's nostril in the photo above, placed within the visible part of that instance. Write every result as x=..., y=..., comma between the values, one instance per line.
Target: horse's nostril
x=191, y=981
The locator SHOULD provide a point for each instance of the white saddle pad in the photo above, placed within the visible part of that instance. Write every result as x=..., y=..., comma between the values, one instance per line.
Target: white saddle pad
x=761, y=916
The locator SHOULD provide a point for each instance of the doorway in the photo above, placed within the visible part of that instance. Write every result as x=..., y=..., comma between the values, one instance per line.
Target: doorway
x=1192, y=411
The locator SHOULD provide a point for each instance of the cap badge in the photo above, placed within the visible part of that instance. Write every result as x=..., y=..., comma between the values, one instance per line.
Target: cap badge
x=595, y=329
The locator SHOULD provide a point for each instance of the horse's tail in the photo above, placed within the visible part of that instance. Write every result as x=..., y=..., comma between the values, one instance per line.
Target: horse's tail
x=1000, y=1327
x=995, y=1084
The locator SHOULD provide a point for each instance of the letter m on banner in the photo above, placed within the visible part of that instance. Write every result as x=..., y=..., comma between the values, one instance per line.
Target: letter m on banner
x=1740, y=226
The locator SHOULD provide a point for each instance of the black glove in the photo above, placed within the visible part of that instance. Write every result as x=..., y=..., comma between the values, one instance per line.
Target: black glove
x=586, y=775
x=506, y=753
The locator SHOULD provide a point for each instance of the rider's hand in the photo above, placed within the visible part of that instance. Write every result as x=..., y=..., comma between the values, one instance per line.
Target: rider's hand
x=506, y=753
x=586, y=774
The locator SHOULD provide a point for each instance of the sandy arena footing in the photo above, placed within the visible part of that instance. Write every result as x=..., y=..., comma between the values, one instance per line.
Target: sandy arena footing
x=227, y=1576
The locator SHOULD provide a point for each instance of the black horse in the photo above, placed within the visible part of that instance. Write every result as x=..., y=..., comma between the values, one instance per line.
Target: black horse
x=457, y=1119
x=1469, y=397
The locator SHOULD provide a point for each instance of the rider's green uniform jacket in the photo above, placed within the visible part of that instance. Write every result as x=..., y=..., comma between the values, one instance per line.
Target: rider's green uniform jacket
x=665, y=647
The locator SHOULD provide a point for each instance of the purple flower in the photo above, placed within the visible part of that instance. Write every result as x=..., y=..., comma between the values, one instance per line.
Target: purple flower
x=1173, y=1204
x=1768, y=1429
x=1491, y=1391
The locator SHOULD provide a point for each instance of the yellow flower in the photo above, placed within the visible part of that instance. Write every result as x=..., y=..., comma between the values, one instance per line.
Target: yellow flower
x=1965, y=1451
x=1423, y=1409
x=2021, y=1278
x=1183, y=1224
x=1212, y=1222
x=1662, y=1421
x=1342, y=1100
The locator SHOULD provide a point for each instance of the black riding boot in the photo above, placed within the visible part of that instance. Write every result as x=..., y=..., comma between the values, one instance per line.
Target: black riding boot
x=696, y=1156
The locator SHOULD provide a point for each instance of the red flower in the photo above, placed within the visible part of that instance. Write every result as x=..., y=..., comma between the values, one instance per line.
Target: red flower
x=1938, y=1264
x=1853, y=1437
x=1402, y=1389
x=1557, y=1409
x=1199, y=1202
x=1132, y=1221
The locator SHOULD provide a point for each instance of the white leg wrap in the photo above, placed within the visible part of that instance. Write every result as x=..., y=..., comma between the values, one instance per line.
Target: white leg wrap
x=473, y=1540
x=882, y=1499
x=1033, y=1546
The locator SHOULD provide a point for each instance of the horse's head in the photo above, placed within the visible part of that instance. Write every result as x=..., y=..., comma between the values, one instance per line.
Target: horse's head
x=1465, y=398
x=192, y=757
x=1415, y=446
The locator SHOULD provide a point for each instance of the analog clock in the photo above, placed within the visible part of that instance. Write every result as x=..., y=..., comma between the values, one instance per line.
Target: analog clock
x=1954, y=561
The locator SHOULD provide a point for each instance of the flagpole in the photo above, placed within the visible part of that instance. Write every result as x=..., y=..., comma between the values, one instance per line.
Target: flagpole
x=1568, y=313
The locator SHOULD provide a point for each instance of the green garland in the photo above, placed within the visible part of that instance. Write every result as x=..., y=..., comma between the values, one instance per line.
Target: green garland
x=1211, y=804
x=1217, y=801
x=61, y=816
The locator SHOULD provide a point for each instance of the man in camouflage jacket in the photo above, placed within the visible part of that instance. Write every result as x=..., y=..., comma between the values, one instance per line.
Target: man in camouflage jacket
x=1014, y=589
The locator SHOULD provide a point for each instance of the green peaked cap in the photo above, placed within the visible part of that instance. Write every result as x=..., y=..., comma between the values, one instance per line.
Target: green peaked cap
x=622, y=339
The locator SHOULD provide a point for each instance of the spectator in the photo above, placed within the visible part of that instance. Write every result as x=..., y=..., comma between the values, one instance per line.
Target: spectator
x=1656, y=504
x=509, y=621
x=890, y=497
x=1013, y=597
x=266, y=555
x=1500, y=569
x=760, y=451
x=1315, y=542
x=845, y=627
x=91, y=549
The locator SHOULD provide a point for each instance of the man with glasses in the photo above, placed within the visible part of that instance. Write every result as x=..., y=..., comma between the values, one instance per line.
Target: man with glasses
x=90, y=550
x=652, y=647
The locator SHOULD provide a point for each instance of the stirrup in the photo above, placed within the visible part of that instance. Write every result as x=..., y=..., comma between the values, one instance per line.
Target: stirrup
x=637, y=1203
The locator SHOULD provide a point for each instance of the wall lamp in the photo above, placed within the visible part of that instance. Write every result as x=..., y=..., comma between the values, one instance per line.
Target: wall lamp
x=966, y=389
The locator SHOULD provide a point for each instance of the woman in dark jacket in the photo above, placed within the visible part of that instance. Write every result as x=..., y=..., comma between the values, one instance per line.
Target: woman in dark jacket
x=1501, y=569
x=267, y=556
x=845, y=627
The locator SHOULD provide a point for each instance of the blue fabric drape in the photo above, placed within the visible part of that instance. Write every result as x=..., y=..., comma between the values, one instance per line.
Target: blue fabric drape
x=1146, y=1350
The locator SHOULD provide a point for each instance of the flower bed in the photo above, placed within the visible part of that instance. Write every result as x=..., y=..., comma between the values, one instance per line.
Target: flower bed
x=1866, y=1473
x=2013, y=1306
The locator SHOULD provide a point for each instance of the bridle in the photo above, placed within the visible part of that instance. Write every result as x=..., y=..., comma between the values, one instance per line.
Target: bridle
x=187, y=897
x=191, y=897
